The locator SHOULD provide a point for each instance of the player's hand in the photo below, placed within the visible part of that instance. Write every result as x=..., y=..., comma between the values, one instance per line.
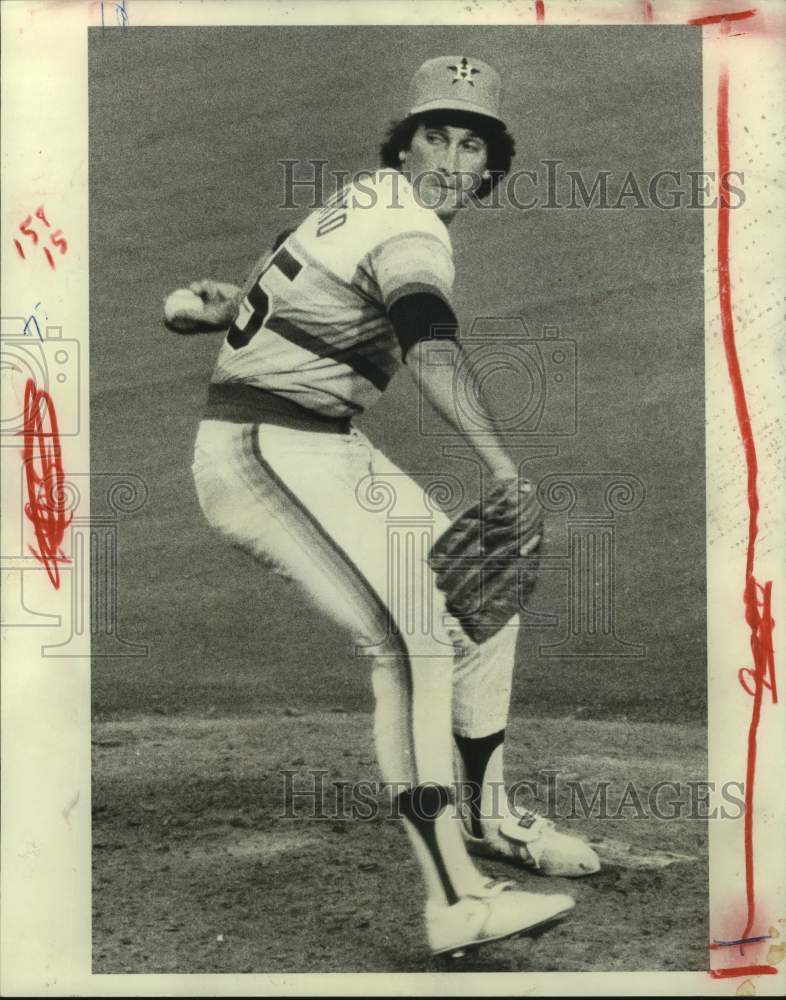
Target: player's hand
x=203, y=306
x=502, y=528
x=215, y=291
x=511, y=477
x=221, y=300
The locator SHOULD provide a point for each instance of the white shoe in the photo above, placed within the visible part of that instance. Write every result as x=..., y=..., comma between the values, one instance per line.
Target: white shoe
x=497, y=910
x=534, y=842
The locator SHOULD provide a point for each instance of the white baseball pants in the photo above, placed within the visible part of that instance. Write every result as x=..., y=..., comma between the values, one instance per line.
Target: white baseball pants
x=332, y=514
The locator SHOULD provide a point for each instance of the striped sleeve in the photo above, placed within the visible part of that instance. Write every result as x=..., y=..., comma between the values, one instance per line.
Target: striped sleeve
x=409, y=263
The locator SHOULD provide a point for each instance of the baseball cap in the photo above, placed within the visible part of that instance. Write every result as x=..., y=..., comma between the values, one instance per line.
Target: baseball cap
x=456, y=83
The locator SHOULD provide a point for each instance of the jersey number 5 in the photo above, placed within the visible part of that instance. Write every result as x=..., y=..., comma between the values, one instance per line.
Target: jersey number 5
x=255, y=306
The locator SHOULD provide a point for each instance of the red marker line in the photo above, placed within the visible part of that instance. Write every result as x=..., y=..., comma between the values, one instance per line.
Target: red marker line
x=41, y=457
x=648, y=15
x=757, y=599
x=540, y=11
x=735, y=15
x=744, y=970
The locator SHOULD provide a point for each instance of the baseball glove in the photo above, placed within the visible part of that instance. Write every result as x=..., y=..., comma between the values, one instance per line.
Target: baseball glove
x=486, y=562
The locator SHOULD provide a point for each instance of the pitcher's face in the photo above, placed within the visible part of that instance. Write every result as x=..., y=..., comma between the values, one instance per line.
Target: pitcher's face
x=446, y=164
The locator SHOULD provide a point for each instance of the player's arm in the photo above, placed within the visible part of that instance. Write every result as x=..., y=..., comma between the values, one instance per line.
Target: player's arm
x=220, y=300
x=414, y=273
x=415, y=318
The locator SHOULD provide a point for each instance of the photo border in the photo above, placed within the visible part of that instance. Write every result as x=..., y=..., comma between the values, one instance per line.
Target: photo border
x=46, y=778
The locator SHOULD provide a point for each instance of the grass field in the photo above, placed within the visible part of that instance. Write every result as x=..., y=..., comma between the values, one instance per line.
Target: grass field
x=186, y=128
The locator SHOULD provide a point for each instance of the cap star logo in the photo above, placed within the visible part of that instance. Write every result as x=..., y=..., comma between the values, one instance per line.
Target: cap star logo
x=464, y=72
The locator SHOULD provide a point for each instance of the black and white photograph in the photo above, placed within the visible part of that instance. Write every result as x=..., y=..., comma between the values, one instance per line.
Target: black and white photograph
x=421, y=565
x=391, y=551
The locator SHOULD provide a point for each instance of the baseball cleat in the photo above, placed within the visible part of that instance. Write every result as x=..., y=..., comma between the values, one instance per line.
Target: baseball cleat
x=497, y=910
x=534, y=842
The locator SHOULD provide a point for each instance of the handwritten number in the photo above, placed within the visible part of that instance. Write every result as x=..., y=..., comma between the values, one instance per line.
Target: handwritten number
x=59, y=240
x=24, y=227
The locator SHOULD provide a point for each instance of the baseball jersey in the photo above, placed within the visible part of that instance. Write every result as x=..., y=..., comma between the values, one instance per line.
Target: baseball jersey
x=313, y=326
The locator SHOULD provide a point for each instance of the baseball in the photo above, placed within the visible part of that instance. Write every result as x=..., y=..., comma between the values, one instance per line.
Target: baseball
x=181, y=301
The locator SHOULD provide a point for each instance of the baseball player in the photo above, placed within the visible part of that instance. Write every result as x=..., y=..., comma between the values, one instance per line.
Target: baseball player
x=314, y=337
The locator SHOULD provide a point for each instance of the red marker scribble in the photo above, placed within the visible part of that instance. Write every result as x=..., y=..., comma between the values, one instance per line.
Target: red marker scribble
x=757, y=598
x=744, y=970
x=735, y=15
x=540, y=11
x=648, y=15
x=45, y=507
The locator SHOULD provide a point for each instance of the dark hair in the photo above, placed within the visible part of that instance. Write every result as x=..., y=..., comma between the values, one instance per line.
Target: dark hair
x=500, y=147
